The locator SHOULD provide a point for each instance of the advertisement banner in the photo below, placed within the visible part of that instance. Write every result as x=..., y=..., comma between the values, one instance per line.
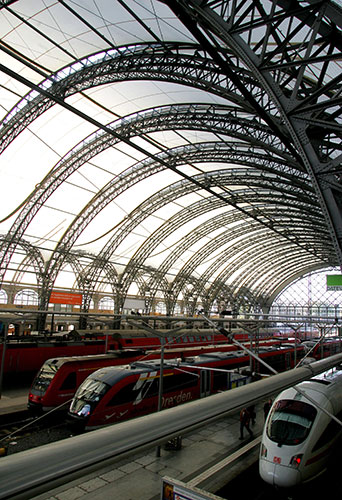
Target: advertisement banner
x=65, y=298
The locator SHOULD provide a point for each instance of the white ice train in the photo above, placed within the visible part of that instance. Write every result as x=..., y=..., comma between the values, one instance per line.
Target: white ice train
x=299, y=437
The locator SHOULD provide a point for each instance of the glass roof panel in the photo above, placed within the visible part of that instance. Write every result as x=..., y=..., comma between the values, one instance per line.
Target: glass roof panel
x=114, y=153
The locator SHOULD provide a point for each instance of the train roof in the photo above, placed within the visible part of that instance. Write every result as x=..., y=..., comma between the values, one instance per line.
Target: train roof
x=141, y=333
x=61, y=360
x=112, y=374
x=320, y=387
x=329, y=377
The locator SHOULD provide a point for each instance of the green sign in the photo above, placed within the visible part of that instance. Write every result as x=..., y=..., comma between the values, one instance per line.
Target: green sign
x=334, y=282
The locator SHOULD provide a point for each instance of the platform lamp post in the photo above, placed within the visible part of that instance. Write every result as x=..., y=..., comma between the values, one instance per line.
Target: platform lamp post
x=2, y=368
x=161, y=381
x=162, y=336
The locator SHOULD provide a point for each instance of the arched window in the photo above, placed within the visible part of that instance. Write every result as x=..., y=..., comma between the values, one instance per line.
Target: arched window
x=26, y=298
x=106, y=303
x=177, y=309
x=161, y=308
x=3, y=297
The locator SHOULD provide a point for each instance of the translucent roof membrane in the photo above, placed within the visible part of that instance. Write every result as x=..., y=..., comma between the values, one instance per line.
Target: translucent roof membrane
x=141, y=150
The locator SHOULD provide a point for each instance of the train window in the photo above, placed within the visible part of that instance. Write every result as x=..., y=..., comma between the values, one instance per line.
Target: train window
x=220, y=381
x=290, y=421
x=179, y=381
x=126, y=394
x=91, y=390
x=150, y=389
x=69, y=382
x=44, y=377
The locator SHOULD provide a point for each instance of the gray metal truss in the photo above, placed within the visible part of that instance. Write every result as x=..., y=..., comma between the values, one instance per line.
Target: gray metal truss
x=273, y=42
x=273, y=63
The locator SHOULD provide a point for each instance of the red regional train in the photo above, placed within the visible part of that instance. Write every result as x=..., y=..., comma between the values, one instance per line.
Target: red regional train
x=328, y=347
x=58, y=378
x=118, y=393
x=26, y=354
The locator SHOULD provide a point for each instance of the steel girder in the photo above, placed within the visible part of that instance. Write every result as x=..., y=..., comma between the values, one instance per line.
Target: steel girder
x=246, y=251
x=263, y=38
x=150, y=61
x=211, y=205
x=205, y=229
x=33, y=253
x=203, y=117
x=268, y=83
x=193, y=116
x=201, y=255
x=212, y=151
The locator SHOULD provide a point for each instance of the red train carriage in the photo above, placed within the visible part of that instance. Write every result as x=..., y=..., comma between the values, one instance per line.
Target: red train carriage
x=328, y=347
x=124, y=339
x=27, y=354
x=113, y=394
x=58, y=378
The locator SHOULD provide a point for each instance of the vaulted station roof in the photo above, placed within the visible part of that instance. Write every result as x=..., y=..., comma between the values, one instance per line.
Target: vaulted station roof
x=181, y=148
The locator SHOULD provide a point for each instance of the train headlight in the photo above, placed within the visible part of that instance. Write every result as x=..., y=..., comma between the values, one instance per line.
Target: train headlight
x=84, y=411
x=263, y=451
x=296, y=461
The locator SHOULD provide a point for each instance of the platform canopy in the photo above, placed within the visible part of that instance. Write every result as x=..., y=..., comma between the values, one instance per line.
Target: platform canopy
x=189, y=149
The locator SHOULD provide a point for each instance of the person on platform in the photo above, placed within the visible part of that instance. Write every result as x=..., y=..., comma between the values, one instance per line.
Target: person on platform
x=251, y=411
x=244, y=422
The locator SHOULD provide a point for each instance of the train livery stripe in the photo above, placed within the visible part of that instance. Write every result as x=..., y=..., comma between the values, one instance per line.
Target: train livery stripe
x=317, y=457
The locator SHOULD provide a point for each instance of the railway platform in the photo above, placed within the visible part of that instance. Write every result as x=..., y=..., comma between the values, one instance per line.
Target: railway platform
x=13, y=401
x=205, y=459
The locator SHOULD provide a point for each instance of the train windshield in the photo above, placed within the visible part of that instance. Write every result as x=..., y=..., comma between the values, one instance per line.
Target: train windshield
x=44, y=376
x=91, y=390
x=290, y=422
x=87, y=396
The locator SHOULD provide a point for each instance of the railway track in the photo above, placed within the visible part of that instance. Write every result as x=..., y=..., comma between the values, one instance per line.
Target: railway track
x=27, y=432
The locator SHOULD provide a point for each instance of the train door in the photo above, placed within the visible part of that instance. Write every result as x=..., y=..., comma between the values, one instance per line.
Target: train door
x=288, y=361
x=205, y=383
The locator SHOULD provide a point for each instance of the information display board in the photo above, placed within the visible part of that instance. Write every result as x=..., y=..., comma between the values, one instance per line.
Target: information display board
x=173, y=489
x=334, y=282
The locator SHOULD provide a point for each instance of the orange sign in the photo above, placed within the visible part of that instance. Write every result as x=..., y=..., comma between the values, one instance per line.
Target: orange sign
x=65, y=298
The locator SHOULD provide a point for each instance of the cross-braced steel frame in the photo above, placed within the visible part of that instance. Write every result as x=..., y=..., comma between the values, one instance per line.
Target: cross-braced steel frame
x=273, y=215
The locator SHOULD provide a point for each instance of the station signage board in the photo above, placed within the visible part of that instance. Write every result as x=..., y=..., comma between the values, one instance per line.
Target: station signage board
x=65, y=298
x=173, y=489
x=334, y=282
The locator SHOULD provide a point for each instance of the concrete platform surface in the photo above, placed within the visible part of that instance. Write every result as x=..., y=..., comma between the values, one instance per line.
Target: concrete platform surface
x=140, y=477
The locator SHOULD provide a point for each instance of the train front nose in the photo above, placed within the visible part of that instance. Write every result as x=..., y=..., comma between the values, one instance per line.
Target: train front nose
x=278, y=475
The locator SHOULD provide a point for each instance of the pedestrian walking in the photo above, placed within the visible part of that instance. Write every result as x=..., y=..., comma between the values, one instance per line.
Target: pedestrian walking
x=244, y=422
x=251, y=411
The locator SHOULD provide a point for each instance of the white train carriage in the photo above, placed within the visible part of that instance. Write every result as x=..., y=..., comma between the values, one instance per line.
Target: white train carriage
x=299, y=436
